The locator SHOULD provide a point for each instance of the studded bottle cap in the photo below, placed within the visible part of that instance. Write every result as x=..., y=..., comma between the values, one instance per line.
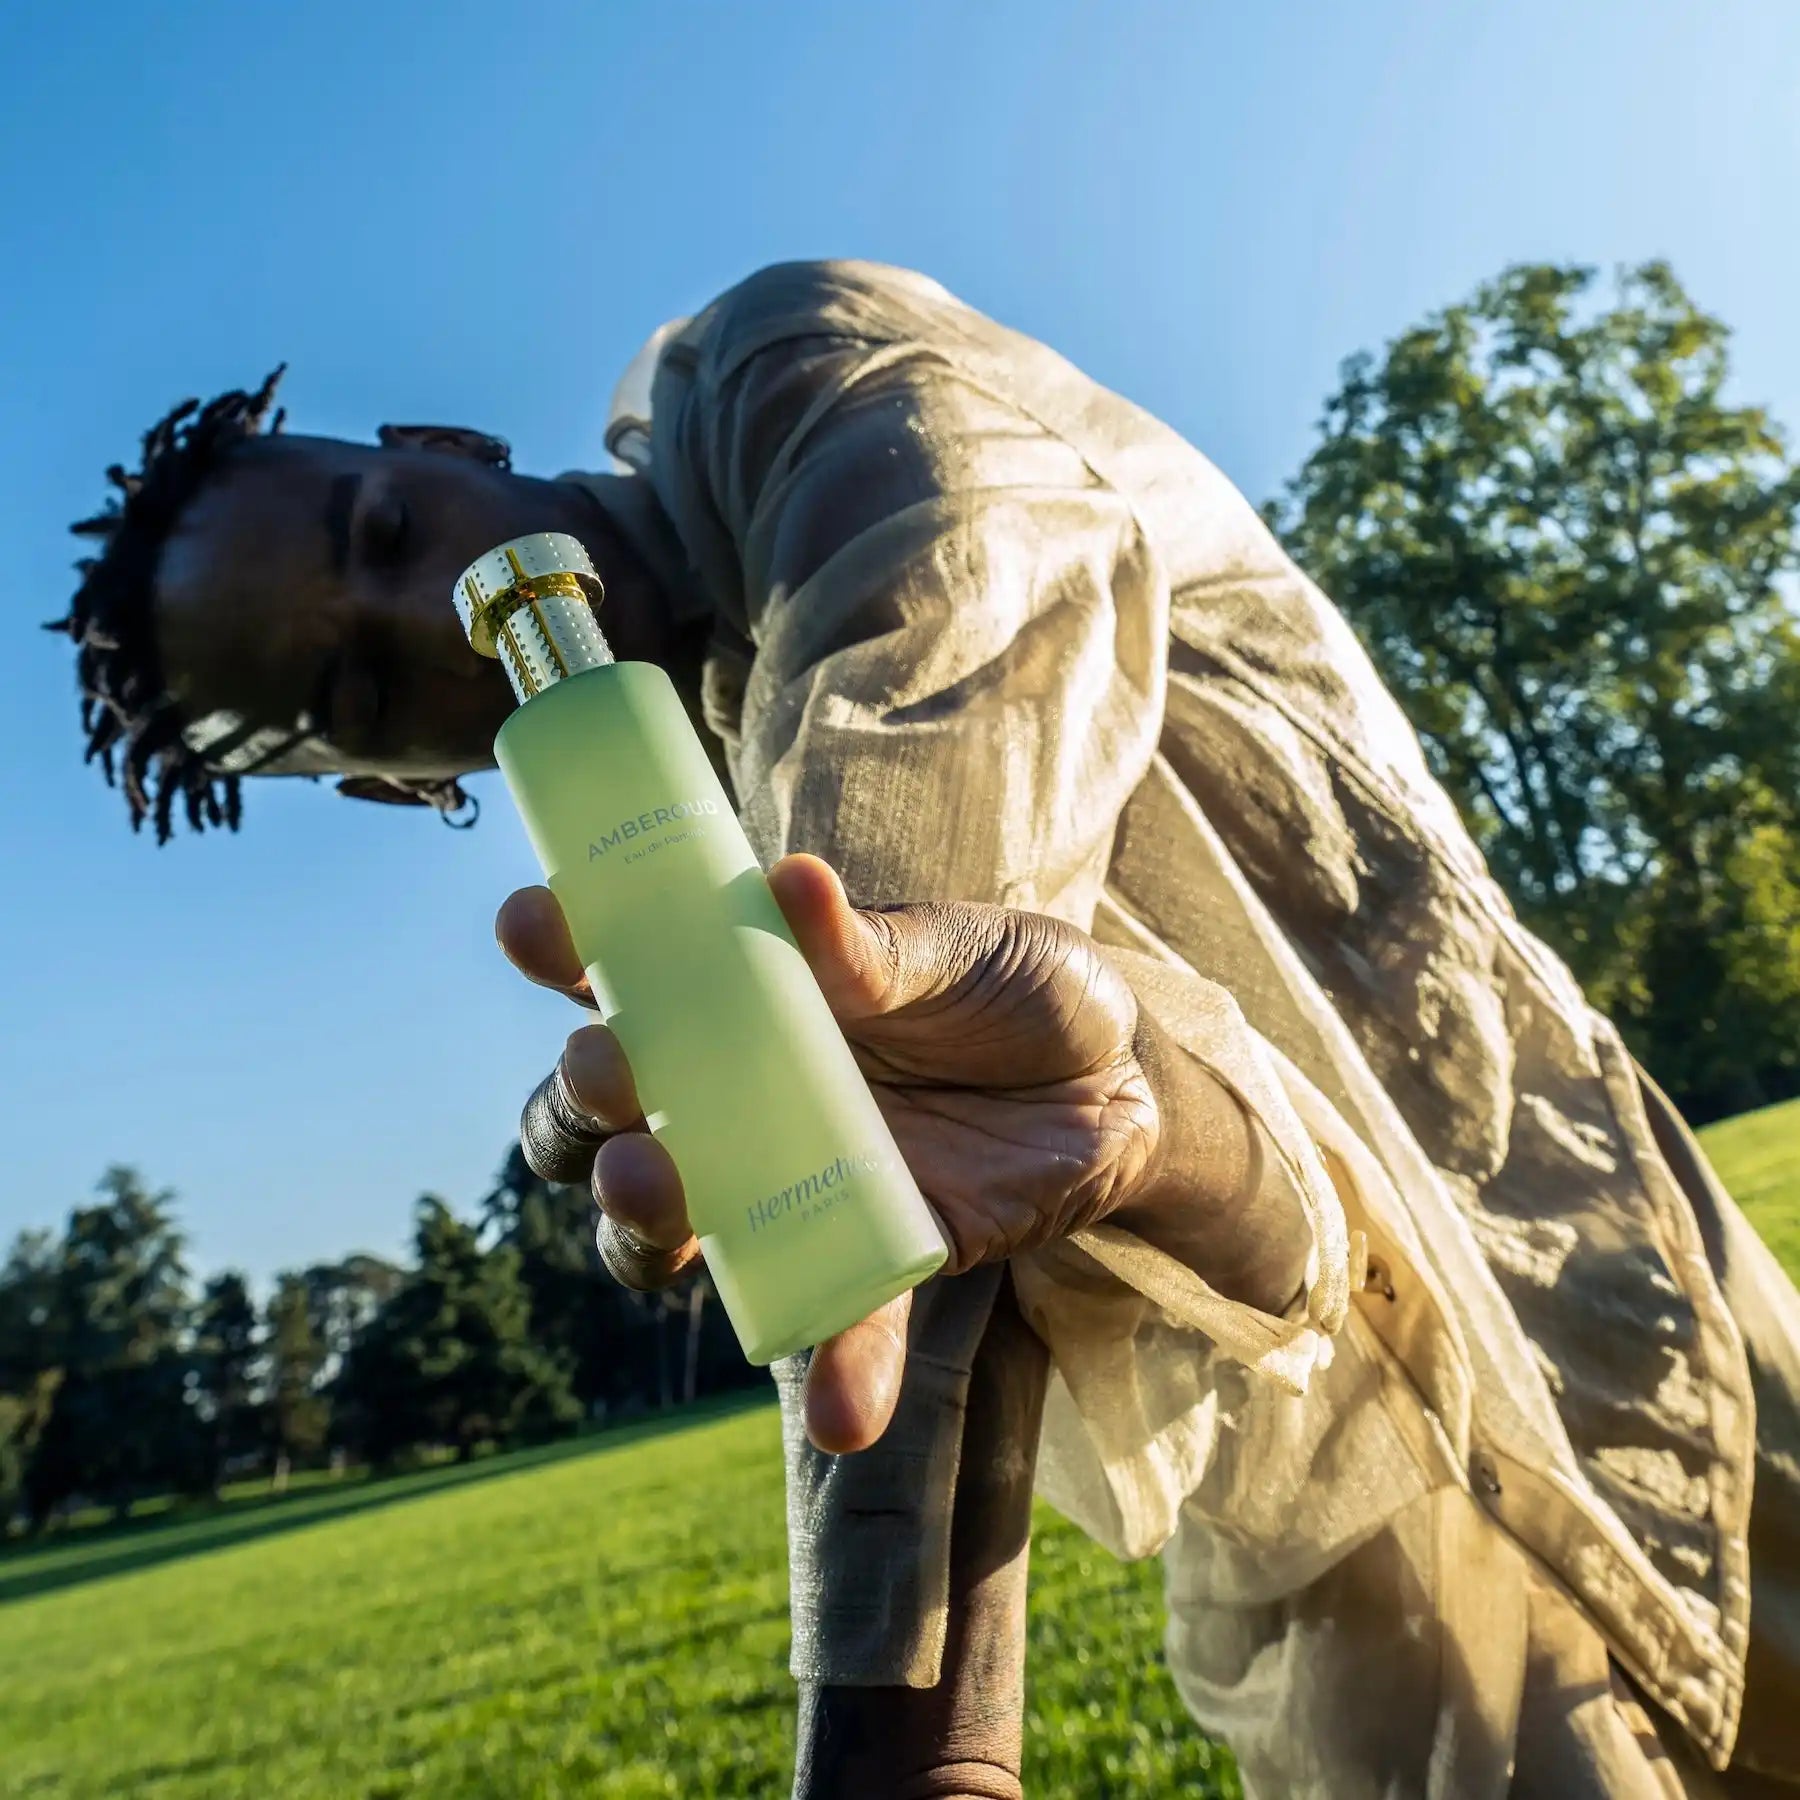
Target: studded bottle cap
x=531, y=604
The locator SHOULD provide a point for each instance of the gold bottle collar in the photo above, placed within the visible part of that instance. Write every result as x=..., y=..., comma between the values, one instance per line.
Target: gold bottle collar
x=530, y=603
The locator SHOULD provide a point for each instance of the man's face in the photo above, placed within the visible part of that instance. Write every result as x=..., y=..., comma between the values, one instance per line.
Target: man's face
x=310, y=577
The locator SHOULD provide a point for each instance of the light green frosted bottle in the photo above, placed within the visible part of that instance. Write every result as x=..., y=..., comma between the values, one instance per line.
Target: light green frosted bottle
x=806, y=1212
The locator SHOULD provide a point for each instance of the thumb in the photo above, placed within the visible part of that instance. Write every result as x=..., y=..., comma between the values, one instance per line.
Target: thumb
x=864, y=962
x=853, y=1380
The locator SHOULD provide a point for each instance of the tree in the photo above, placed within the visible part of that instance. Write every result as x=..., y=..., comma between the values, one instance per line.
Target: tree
x=343, y=1299
x=450, y=1359
x=31, y=1359
x=1570, y=559
x=119, y=1425
x=31, y=1338
x=298, y=1413
x=615, y=1340
x=550, y=1228
x=22, y=1419
x=576, y=1309
x=226, y=1348
x=343, y=1296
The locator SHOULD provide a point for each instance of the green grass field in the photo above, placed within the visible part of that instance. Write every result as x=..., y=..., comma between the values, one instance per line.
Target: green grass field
x=606, y=1617
x=1758, y=1158
x=603, y=1618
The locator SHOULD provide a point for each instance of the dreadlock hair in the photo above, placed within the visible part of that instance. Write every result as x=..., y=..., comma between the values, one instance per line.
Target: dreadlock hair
x=131, y=723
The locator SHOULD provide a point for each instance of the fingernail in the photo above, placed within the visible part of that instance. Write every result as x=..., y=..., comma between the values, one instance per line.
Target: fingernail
x=589, y=1066
x=580, y=1117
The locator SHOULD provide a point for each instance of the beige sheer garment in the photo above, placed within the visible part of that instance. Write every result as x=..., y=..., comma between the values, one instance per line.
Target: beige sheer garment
x=984, y=630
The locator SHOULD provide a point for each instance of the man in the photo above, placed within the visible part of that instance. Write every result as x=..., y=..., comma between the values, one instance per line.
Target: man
x=1459, y=1398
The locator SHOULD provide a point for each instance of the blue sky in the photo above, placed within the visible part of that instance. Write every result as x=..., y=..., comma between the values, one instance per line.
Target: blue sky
x=476, y=213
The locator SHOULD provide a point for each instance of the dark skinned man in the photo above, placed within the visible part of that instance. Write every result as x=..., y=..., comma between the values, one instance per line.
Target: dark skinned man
x=1319, y=1234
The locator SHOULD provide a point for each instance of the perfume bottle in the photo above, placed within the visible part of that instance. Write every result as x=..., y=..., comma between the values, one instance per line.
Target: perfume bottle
x=805, y=1210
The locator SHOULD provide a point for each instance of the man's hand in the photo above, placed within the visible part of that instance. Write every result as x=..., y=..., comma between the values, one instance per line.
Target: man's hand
x=1026, y=1090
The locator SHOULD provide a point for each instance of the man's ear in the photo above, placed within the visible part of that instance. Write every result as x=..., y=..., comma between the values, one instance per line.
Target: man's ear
x=448, y=440
x=454, y=806
x=378, y=787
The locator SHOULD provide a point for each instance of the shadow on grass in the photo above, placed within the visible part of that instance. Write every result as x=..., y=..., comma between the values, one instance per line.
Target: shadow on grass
x=96, y=1554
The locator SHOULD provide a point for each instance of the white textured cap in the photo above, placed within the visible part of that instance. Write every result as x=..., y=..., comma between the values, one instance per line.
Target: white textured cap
x=513, y=574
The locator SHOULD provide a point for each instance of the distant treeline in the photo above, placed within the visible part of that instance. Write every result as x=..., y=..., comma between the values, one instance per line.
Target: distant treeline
x=121, y=1379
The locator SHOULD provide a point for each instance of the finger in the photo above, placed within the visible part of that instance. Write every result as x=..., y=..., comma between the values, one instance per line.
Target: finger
x=853, y=1381
x=870, y=961
x=584, y=1099
x=531, y=930
x=644, y=1236
x=851, y=966
x=599, y=1079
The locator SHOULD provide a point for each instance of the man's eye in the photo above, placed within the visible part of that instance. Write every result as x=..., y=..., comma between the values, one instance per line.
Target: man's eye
x=385, y=530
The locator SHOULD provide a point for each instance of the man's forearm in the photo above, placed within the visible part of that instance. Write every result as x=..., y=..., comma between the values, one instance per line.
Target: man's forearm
x=962, y=1739
x=1206, y=1201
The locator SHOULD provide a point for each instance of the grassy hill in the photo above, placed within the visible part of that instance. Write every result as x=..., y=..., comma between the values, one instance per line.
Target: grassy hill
x=599, y=1618
x=1758, y=1158
x=608, y=1618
